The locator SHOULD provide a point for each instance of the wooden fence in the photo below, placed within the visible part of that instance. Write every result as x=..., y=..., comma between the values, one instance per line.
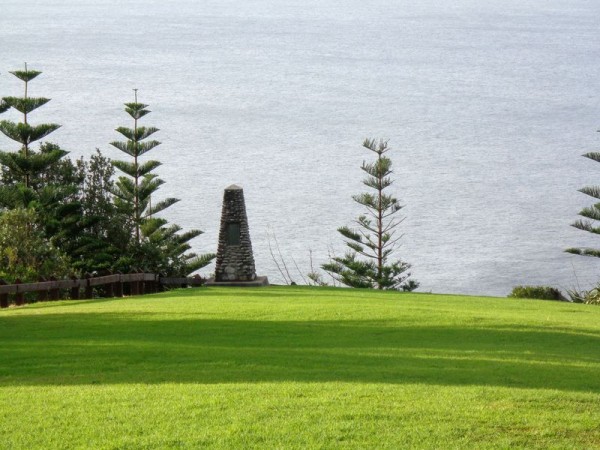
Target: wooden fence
x=115, y=285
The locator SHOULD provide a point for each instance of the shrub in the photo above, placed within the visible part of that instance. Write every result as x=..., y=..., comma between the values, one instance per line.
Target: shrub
x=24, y=251
x=537, y=292
x=591, y=297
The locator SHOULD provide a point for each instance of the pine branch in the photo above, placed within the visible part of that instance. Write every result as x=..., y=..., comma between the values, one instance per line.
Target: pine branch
x=136, y=110
x=188, y=235
x=592, y=191
x=161, y=206
x=150, y=183
x=25, y=105
x=349, y=234
x=125, y=147
x=126, y=167
x=584, y=252
x=595, y=156
x=144, y=147
x=25, y=133
x=365, y=223
x=147, y=167
x=199, y=262
x=152, y=225
x=138, y=134
x=590, y=213
x=26, y=75
x=586, y=225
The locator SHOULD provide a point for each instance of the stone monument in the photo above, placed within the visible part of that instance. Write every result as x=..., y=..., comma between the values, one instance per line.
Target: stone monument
x=235, y=260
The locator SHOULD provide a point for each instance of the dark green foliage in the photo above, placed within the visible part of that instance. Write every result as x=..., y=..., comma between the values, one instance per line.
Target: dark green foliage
x=96, y=223
x=367, y=264
x=43, y=180
x=33, y=164
x=537, y=292
x=109, y=229
x=25, y=253
x=100, y=233
x=71, y=206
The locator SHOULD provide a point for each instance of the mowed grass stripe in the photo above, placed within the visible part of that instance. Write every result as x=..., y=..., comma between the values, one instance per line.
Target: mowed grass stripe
x=297, y=367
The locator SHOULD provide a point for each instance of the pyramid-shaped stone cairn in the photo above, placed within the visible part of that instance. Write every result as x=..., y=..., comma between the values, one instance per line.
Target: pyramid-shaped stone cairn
x=235, y=260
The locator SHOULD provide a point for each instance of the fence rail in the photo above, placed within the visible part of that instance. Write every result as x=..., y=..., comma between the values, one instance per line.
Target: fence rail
x=114, y=285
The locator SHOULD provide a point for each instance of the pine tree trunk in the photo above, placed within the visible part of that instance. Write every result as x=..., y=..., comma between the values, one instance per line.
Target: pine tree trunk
x=379, y=227
x=136, y=192
x=25, y=144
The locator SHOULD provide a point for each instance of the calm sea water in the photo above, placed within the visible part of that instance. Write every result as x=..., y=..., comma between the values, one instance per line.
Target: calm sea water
x=488, y=106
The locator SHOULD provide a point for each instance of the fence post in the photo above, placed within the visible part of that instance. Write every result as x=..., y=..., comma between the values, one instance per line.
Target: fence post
x=3, y=297
x=89, y=290
x=139, y=283
x=148, y=287
x=75, y=289
x=154, y=284
x=118, y=286
x=134, y=287
x=42, y=295
x=198, y=279
x=19, y=296
x=142, y=284
x=109, y=288
x=54, y=293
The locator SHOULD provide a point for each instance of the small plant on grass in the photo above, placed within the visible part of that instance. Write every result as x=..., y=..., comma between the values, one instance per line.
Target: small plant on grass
x=591, y=297
x=368, y=263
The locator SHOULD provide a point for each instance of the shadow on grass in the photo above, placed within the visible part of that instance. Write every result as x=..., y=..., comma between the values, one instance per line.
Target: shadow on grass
x=109, y=348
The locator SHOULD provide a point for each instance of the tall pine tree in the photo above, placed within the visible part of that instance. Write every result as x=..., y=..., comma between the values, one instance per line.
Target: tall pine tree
x=367, y=264
x=134, y=192
x=52, y=185
x=156, y=246
x=25, y=164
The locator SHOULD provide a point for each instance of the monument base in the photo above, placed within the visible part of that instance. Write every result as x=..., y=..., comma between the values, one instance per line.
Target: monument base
x=257, y=282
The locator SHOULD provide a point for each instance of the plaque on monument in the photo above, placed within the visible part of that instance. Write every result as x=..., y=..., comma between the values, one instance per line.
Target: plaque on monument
x=233, y=233
x=235, y=260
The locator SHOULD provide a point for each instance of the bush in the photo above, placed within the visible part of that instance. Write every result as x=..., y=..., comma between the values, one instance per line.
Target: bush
x=591, y=297
x=24, y=251
x=537, y=292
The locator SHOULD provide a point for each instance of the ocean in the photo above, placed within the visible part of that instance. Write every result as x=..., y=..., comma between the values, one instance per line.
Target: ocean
x=487, y=106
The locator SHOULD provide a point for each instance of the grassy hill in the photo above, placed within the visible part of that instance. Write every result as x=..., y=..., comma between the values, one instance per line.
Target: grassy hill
x=300, y=367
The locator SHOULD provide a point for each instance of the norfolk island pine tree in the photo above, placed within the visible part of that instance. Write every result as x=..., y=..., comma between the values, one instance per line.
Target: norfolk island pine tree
x=368, y=263
x=155, y=245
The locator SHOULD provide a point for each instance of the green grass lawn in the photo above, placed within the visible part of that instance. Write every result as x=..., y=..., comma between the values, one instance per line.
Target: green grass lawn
x=297, y=367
